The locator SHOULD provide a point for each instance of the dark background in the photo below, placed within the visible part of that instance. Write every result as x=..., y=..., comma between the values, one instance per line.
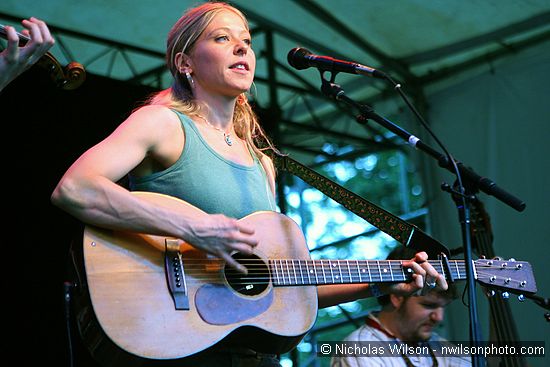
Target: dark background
x=46, y=128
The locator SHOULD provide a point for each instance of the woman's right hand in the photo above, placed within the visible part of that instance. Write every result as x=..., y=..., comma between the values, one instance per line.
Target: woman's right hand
x=221, y=236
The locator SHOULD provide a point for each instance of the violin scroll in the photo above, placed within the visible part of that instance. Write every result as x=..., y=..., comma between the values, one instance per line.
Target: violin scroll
x=68, y=78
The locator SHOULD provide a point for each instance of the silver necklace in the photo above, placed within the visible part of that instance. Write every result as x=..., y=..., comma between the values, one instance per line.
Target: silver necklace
x=226, y=135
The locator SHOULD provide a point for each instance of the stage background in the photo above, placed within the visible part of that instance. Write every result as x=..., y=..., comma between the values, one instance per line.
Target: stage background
x=494, y=118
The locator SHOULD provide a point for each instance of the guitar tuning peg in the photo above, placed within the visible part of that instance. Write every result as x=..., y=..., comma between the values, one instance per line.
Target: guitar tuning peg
x=490, y=293
x=505, y=295
x=498, y=258
x=512, y=259
x=483, y=257
x=521, y=298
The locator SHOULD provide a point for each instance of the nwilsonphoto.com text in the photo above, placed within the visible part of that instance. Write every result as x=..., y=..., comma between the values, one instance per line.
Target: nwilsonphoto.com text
x=443, y=349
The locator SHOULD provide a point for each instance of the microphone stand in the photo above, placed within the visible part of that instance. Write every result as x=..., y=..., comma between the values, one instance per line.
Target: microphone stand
x=334, y=91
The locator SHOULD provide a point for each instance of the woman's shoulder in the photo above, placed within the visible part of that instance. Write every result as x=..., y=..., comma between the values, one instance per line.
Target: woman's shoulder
x=153, y=112
x=153, y=117
x=150, y=124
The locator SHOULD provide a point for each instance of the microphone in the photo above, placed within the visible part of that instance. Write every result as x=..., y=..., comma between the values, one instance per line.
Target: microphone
x=300, y=58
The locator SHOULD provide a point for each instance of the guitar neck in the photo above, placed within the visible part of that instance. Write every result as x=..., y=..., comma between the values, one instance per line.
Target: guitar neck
x=289, y=272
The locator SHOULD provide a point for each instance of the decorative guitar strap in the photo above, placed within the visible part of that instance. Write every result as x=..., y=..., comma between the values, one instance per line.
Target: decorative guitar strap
x=402, y=231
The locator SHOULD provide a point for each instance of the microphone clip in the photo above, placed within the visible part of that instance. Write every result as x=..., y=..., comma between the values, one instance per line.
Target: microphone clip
x=334, y=91
x=329, y=88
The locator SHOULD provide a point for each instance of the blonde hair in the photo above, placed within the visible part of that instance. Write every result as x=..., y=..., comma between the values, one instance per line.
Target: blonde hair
x=181, y=38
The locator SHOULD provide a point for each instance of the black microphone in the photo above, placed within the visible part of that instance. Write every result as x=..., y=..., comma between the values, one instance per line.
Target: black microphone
x=300, y=58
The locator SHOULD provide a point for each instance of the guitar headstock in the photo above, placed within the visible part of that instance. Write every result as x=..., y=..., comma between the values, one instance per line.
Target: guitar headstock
x=510, y=275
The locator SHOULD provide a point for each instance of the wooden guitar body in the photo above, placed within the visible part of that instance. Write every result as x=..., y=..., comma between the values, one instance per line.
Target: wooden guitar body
x=136, y=302
x=129, y=311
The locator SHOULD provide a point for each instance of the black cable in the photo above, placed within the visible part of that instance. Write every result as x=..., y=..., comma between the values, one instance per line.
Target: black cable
x=397, y=87
x=67, y=287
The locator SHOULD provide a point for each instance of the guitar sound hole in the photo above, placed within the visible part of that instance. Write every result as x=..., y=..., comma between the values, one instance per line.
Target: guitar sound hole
x=253, y=283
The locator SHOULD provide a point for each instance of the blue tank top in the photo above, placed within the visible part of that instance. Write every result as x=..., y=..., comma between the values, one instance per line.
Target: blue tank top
x=205, y=179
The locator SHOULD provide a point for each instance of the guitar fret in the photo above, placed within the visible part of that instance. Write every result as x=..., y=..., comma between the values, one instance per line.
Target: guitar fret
x=340, y=272
x=441, y=270
x=379, y=269
x=294, y=269
x=364, y=270
x=301, y=273
x=274, y=267
x=339, y=275
x=371, y=264
x=435, y=266
x=288, y=273
x=357, y=271
x=366, y=265
x=343, y=278
x=323, y=269
x=457, y=270
x=331, y=273
x=391, y=264
x=315, y=272
x=282, y=271
x=285, y=272
x=283, y=276
x=330, y=266
x=346, y=277
x=307, y=271
x=349, y=272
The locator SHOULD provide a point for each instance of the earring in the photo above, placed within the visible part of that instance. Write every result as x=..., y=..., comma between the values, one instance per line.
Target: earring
x=190, y=80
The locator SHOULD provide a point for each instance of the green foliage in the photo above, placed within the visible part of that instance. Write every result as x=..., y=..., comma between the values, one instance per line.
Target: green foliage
x=387, y=179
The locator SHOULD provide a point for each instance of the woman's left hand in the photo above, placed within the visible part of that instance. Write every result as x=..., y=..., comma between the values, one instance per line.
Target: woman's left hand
x=425, y=278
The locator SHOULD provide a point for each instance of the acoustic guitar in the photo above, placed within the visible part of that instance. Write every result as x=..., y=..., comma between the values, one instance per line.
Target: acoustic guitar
x=136, y=302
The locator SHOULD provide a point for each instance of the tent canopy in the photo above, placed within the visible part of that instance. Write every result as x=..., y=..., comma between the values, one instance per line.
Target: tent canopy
x=421, y=44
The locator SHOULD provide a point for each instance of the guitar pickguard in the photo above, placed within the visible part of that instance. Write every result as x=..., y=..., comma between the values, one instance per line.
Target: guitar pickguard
x=219, y=305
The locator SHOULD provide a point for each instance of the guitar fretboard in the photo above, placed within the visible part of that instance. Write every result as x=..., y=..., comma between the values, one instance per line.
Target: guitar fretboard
x=292, y=272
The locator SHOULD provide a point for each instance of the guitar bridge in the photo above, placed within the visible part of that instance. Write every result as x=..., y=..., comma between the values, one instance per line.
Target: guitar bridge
x=175, y=274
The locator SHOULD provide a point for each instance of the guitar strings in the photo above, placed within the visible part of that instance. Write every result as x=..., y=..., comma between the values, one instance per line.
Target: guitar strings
x=327, y=265
x=266, y=277
x=260, y=273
